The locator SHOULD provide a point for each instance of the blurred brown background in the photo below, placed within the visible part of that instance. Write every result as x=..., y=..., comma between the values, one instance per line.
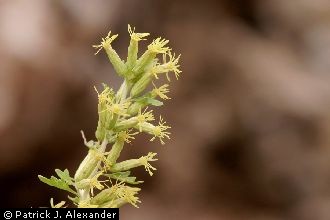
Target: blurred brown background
x=250, y=115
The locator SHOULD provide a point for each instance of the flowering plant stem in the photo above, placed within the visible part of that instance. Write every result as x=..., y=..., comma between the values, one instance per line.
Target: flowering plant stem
x=100, y=180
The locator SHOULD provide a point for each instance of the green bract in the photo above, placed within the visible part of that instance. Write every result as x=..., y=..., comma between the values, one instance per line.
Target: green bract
x=101, y=180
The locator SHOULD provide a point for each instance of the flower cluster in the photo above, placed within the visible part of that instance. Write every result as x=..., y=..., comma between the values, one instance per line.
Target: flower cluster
x=101, y=180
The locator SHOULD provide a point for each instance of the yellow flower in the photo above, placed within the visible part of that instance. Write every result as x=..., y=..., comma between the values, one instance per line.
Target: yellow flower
x=136, y=36
x=114, y=58
x=105, y=42
x=106, y=95
x=118, y=108
x=126, y=136
x=161, y=91
x=160, y=131
x=91, y=183
x=145, y=162
x=145, y=116
x=168, y=66
x=95, y=183
x=158, y=46
x=128, y=194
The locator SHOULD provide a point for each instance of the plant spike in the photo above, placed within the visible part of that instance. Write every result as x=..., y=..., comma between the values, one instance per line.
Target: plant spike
x=122, y=115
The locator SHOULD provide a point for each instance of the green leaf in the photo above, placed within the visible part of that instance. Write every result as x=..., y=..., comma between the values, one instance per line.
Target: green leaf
x=123, y=174
x=58, y=183
x=124, y=177
x=154, y=102
x=65, y=176
x=146, y=100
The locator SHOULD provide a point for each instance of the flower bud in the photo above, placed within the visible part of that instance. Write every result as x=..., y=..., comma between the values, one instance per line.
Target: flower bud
x=117, y=63
x=90, y=163
x=135, y=107
x=141, y=84
x=87, y=166
x=132, y=163
x=133, y=47
x=115, y=151
x=104, y=196
x=156, y=47
x=90, y=183
x=114, y=58
x=159, y=131
x=122, y=137
x=126, y=124
x=126, y=165
x=108, y=198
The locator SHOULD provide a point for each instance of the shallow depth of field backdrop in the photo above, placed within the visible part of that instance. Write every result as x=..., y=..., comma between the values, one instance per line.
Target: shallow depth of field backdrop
x=250, y=115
